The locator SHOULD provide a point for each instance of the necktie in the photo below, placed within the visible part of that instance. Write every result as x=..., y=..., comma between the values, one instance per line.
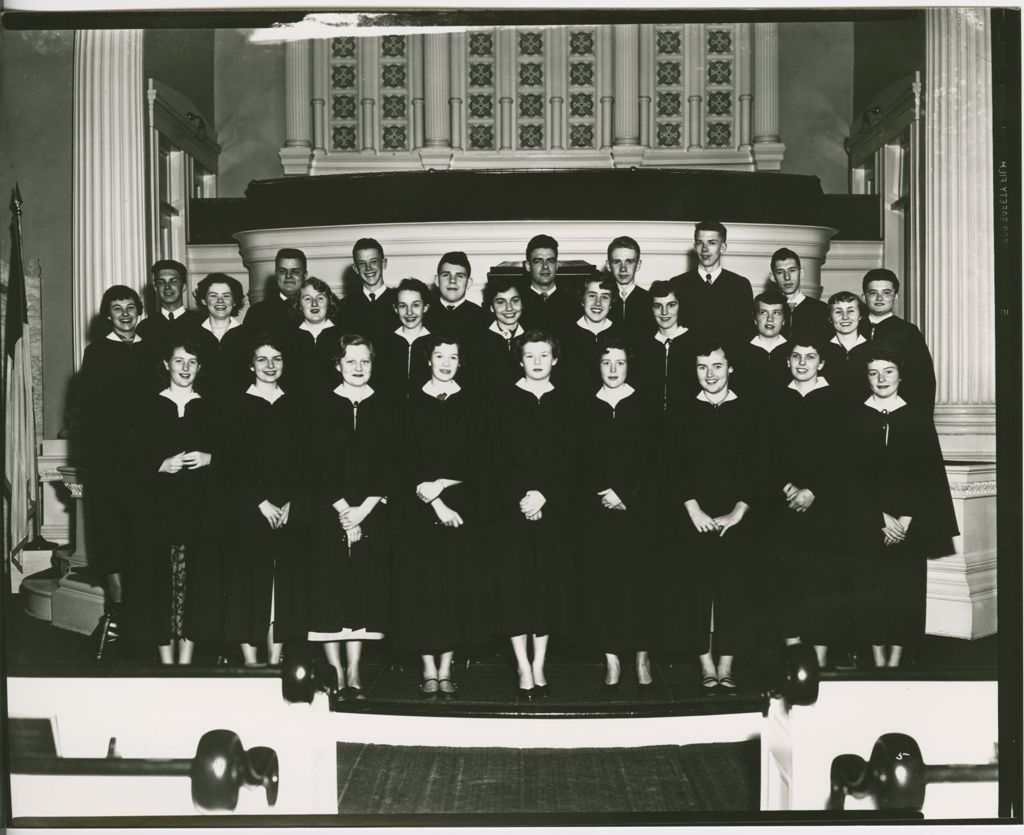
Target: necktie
x=170, y=316
x=443, y=396
x=373, y=297
x=451, y=308
x=707, y=278
x=543, y=297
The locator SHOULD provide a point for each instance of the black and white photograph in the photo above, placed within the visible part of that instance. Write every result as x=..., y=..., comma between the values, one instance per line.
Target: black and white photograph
x=544, y=417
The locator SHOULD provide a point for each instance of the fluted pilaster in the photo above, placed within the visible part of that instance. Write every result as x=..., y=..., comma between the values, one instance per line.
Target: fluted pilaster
x=109, y=171
x=768, y=147
x=297, y=152
x=436, y=91
x=627, y=84
x=959, y=296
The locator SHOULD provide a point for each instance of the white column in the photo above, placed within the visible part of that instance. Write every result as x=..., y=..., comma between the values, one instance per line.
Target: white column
x=369, y=88
x=693, y=37
x=556, y=84
x=959, y=306
x=416, y=89
x=109, y=230
x=321, y=94
x=605, y=84
x=505, y=68
x=297, y=152
x=646, y=81
x=626, y=150
x=457, y=98
x=768, y=147
x=437, y=144
x=743, y=83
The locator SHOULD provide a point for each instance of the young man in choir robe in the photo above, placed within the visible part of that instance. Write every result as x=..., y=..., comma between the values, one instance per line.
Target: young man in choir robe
x=808, y=318
x=273, y=315
x=402, y=356
x=845, y=352
x=497, y=363
x=171, y=317
x=450, y=312
x=664, y=360
x=579, y=368
x=716, y=482
x=887, y=331
x=546, y=305
x=762, y=369
x=802, y=504
x=370, y=310
x=716, y=303
x=631, y=305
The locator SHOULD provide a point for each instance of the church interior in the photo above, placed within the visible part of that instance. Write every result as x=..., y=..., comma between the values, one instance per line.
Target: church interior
x=862, y=140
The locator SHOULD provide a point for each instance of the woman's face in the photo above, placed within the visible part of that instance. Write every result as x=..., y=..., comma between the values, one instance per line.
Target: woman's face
x=356, y=365
x=183, y=368
x=267, y=364
x=507, y=308
x=219, y=301
x=410, y=309
x=444, y=362
x=313, y=304
x=124, y=316
x=537, y=361
x=884, y=378
x=614, y=366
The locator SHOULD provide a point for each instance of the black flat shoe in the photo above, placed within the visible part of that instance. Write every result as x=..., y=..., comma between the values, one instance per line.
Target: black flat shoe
x=727, y=685
x=356, y=694
x=525, y=694
x=428, y=689
x=611, y=688
x=644, y=687
x=448, y=688
x=709, y=685
x=542, y=690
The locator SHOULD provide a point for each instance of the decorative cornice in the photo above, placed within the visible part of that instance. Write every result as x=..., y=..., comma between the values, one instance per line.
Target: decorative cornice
x=972, y=489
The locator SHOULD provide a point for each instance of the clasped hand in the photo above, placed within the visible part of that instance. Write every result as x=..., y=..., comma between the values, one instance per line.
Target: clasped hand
x=445, y=515
x=800, y=499
x=185, y=461
x=894, y=530
x=610, y=500
x=530, y=505
x=276, y=516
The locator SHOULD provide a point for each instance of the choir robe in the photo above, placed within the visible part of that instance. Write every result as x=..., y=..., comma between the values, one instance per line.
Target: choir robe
x=441, y=578
x=809, y=323
x=555, y=315
x=758, y=374
x=917, y=372
x=466, y=321
x=114, y=384
x=225, y=363
x=809, y=567
x=847, y=371
x=667, y=377
x=621, y=563
x=578, y=369
x=351, y=453
x=496, y=363
x=899, y=470
x=713, y=462
x=532, y=448
x=724, y=310
x=310, y=369
x=263, y=460
x=272, y=315
x=157, y=330
x=187, y=508
x=635, y=316
x=400, y=368
x=374, y=320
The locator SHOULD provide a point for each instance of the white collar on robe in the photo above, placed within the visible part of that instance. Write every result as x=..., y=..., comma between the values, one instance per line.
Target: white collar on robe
x=354, y=394
x=888, y=404
x=703, y=395
x=272, y=397
x=179, y=400
x=494, y=328
x=219, y=333
x=434, y=388
x=536, y=389
x=820, y=383
x=762, y=343
x=113, y=337
x=679, y=331
x=315, y=330
x=402, y=332
x=616, y=395
x=587, y=325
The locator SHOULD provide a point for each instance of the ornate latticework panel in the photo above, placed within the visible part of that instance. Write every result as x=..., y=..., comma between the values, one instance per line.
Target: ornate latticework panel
x=394, y=93
x=582, y=91
x=344, y=93
x=720, y=85
x=530, y=89
x=669, y=92
x=481, y=110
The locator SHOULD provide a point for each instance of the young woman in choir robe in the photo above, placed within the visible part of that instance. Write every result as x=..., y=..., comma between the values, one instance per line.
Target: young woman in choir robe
x=221, y=336
x=663, y=368
x=263, y=458
x=351, y=448
x=441, y=591
x=578, y=366
x=903, y=510
x=716, y=483
x=616, y=517
x=802, y=504
x=762, y=364
x=174, y=589
x=532, y=462
x=312, y=343
x=497, y=358
x=844, y=354
x=113, y=387
x=400, y=365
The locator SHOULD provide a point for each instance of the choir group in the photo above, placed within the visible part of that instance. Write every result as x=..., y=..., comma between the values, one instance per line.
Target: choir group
x=685, y=468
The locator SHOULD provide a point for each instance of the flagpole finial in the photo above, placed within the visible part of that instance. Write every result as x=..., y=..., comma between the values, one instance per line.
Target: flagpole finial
x=16, y=200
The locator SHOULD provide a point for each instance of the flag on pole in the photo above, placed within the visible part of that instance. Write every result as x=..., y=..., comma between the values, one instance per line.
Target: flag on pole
x=20, y=477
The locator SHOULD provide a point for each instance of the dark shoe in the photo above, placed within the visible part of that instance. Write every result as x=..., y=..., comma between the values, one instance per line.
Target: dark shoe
x=525, y=694
x=356, y=694
x=726, y=684
x=542, y=690
x=338, y=696
x=610, y=688
x=448, y=688
x=642, y=687
x=428, y=689
x=709, y=684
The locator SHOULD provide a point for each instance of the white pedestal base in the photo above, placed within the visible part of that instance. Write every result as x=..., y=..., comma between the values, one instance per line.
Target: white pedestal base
x=77, y=603
x=26, y=563
x=37, y=594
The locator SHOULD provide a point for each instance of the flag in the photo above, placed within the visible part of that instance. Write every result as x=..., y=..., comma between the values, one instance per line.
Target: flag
x=20, y=478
